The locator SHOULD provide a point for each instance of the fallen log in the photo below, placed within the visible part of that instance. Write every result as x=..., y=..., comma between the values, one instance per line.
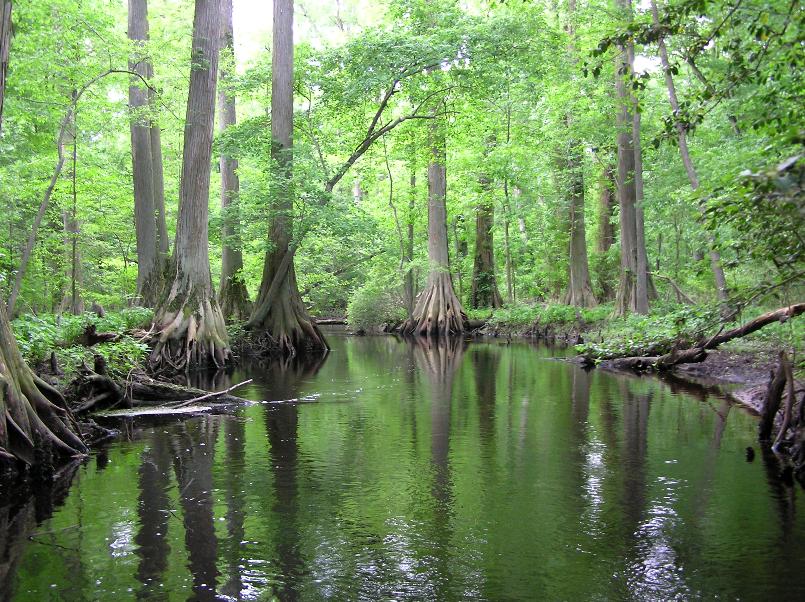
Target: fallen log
x=698, y=352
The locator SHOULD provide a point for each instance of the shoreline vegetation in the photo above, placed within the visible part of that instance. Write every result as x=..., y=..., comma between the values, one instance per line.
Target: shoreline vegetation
x=98, y=360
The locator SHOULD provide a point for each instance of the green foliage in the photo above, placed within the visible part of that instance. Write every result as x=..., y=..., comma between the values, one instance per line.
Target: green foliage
x=656, y=334
x=374, y=304
x=521, y=316
x=38, y=336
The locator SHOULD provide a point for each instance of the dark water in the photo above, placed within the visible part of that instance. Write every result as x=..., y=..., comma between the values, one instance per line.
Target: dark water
x=403, y=471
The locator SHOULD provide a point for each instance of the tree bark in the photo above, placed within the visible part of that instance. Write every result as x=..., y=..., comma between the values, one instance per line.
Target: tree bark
x=149, y=272
x=627, y=299
x=682, y=139
x=580, y=288
x=233, y=296
x=279, y=312
x=438, y=311
x=191, y=326
x=484, y=292
x=606, y=202
x=409, y=242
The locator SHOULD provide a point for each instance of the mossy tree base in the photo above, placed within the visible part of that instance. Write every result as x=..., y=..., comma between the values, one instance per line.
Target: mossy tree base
x=191, y=332
x=234, y=300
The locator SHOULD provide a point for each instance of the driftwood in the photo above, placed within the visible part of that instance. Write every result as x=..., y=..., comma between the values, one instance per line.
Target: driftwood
x=771, y=403
x=98, y=391
x=698, y=352
x=91, y=336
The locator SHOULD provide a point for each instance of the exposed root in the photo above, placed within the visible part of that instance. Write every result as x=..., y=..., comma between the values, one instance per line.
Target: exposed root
x=438, y=310
x=281, y=315
x=192, y=335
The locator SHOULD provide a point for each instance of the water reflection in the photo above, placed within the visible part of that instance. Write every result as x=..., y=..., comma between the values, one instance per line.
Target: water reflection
x=153, y=511
x=282, y=420
x=422, y=471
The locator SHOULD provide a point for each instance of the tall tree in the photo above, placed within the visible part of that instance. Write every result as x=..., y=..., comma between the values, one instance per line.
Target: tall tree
x=279, y=311
x=191, y=326
x=630, y=298
x=684, y=153
x=35, y=421
x=438, y=309
x=233, y=296
x=149, y=266
x=484, y=291
x=580, y=288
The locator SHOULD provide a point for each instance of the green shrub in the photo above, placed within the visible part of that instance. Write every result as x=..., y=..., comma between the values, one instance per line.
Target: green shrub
x=373, y=305
x=38, y=336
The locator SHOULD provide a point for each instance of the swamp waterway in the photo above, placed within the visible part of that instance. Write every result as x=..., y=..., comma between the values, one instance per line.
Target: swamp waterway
x=392, y=470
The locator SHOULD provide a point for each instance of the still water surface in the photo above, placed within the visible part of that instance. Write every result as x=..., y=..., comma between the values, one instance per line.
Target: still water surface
x=393, y=470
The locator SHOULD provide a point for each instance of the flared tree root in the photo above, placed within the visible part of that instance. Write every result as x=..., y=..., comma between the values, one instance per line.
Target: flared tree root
x=280, y=320
x=190, y=336
x=36, y=425
x=438, y=310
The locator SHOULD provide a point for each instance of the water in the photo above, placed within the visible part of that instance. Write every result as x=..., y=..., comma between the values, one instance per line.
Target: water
x=402, y=471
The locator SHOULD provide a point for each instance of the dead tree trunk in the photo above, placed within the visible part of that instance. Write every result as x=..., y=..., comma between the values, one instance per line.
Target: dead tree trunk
x=438, y=310
x=149, y=273
x=191, y=326
x=233, y=296
x=279, y=311
x=484, y=292
x=629, y=297
x=682, y=139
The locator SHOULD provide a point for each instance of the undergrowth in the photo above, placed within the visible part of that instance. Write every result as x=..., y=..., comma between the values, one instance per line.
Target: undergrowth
x=38, y=336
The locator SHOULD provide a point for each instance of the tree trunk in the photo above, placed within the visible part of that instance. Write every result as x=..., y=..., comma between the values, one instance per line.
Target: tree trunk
x=642, y=277
x=438, y=310
x=627, y=297
x=279, y=311
x=409, y=243
x=233, y=297
x=163, y=243
x=191, y=326
x=606, y=202
x=149, y=273
x=484, y=291
x=580, y=288
x=682, y=139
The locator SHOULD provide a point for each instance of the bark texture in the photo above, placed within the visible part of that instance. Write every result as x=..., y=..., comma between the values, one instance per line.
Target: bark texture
x=233, y=296
x=580, y=288
x=606, y=202
x=630, y=297
x=149, y=266
x=438, y=310
x=191, y=326
x=279, y=312
x=484, y=291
